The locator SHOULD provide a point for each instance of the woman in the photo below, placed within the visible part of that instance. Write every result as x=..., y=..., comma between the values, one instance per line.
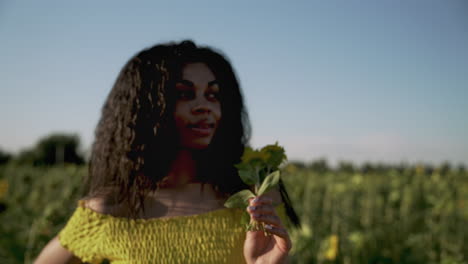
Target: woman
x=161, y=168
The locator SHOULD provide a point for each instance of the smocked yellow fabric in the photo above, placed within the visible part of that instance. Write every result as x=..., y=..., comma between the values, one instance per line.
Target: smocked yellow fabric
x=212, y=237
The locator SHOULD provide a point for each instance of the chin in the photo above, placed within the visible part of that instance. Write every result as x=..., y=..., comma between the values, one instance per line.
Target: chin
x=200, y=145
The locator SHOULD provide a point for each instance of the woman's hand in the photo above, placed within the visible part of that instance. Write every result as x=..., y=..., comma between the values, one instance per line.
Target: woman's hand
x=259, y=248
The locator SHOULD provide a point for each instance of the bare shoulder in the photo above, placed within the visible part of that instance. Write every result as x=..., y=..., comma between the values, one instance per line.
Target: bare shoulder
x=98, y=204
x=55, y=253
x=105, y=204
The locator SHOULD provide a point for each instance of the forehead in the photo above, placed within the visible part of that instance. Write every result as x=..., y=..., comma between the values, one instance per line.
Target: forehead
x=197, y=72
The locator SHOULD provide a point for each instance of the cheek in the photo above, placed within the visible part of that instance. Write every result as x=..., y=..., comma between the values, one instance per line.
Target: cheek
x=217, y=112
x=179, y=116
x=178, y=121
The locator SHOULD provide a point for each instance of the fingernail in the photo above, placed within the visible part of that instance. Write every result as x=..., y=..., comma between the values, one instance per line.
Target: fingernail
x=268, y=227
x=256, y=200
x=252, y=208
x=256, y=215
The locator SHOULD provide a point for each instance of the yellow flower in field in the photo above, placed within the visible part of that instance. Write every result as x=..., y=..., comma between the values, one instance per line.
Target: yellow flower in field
x=3, y=188
x=332, y=251
x=306, y=230
x=357, y=179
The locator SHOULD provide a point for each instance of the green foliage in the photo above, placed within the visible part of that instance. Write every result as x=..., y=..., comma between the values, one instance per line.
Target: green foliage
x=259, y=168
x=274, y=155
x=37, y=202
x=239, y=200
x=269, y=183
x=410, y=214
x=4, y=157
x=52, y=149
x=320, y=166
x=257, y=164
x=248, y=176
x=404, y=214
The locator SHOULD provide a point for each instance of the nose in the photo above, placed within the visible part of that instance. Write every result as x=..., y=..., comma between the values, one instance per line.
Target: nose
x=201, y=106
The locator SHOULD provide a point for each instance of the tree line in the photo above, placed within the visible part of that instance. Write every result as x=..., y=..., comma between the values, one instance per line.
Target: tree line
x=61, y=148
x=53, y=149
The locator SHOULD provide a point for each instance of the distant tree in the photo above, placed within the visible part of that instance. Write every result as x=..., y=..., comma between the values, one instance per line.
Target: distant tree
x=445, y=168
x=53, y=149
x=26, y=156
x=319, y=166
x=298, y=164
x=429, y=169
x=367, y=167
x=346, y=167
x=4, y=157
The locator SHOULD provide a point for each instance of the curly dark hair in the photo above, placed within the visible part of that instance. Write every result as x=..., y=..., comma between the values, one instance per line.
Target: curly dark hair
x=136, y=139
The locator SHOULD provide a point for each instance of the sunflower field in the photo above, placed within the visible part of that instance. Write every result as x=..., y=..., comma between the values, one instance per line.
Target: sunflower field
x=408, y=214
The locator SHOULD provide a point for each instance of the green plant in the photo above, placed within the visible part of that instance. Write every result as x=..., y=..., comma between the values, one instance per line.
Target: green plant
x=259, y=168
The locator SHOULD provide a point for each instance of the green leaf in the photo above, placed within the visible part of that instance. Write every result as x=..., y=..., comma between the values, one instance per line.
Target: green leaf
x=242, y=166
x=269, y=183
x=239, y=200
x=263, y=173
x=248, y=176
x=258, y=163
x=245, y=219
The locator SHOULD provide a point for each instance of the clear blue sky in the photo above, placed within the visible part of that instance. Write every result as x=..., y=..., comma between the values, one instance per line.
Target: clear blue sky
x=344, y=80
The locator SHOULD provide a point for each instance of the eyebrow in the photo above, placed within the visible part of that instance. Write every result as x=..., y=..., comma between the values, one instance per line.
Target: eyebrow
x=190, y=84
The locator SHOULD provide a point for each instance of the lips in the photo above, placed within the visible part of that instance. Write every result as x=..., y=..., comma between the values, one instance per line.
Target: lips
x=201, y=124
x=202, y=128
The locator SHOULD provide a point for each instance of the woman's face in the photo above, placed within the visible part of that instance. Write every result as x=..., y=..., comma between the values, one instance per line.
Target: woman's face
x=198, y=109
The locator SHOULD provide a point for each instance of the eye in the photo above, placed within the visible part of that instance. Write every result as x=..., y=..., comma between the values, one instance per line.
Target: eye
x=184, y=94
x=213, y=95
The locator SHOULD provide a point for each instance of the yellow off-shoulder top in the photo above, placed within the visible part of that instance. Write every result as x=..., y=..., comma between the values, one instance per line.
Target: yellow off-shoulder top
x=213, y=237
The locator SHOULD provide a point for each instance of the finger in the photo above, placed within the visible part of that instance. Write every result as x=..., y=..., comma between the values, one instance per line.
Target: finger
x=268, y=219
x=261, y=209
x=284, y=240
x=259, y=200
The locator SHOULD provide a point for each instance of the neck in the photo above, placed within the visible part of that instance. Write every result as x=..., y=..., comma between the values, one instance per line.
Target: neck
x=183, y=169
